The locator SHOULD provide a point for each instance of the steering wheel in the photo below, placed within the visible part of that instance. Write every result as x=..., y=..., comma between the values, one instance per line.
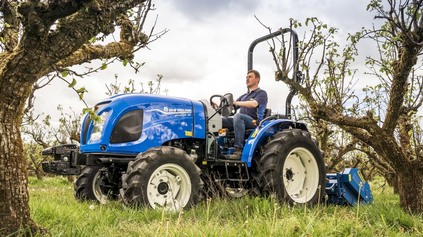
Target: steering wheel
x=225, y=106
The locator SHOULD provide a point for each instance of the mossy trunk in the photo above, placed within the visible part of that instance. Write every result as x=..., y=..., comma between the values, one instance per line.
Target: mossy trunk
x=14, y=205
x=392, y=180
x=18, y=72
x=410, y=190
x=49, y=36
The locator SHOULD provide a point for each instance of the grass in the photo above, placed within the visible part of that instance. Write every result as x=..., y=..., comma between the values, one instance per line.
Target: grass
x=54, y=207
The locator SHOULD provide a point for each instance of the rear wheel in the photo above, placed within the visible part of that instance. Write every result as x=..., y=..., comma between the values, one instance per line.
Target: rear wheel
x=292, y=167
x=92, y=184
x=162, y=177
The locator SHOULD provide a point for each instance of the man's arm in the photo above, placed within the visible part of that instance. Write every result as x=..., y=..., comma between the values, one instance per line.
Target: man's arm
x=261, y=98
x=246, y=104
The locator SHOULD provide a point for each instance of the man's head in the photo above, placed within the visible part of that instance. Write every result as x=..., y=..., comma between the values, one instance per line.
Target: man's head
x=252, y=79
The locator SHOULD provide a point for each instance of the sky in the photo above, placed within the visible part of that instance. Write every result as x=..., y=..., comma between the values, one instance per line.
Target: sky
x=205, y=51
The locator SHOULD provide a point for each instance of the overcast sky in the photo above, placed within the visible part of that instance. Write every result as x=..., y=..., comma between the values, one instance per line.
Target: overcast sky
x=205, y=51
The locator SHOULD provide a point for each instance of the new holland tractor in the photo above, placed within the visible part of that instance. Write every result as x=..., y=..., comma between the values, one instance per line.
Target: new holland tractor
x=166, y=152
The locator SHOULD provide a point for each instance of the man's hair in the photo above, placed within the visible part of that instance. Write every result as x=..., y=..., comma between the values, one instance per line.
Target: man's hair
x=255, y=72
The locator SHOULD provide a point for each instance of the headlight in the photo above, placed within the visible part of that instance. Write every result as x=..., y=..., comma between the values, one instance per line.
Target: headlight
x=97, y=131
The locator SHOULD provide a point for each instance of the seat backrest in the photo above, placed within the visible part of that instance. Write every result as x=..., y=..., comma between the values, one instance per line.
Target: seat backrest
x=267, y=113
x=261, y=112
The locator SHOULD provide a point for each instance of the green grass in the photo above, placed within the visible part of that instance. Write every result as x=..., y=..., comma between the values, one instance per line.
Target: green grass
x=54, y=207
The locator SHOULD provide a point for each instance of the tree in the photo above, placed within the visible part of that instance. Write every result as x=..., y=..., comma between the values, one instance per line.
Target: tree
x=42, y=37
x=390, y=133
x=340, y=149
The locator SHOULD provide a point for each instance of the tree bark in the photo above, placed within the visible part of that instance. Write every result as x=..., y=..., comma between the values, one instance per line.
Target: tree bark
x=14, y=207
x=392, y=180
x=410, y=190
x=40, y=49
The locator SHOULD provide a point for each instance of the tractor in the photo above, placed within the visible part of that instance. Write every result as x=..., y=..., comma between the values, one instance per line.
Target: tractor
x=167, y=152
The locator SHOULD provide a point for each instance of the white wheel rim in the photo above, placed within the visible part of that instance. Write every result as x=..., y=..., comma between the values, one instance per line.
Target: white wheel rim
x=300, y=175
x=98, y=193
x=236, y=192
x=169, y=187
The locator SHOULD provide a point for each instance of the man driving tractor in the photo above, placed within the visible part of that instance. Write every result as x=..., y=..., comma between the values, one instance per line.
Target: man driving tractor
x=252, y=106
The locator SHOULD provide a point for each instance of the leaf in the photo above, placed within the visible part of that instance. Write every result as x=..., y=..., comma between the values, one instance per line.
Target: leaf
x=46, y=120
x=93, y=40
x=87, y=110
x=64, y=73
x=81, y=91
x=72, y=84
x=125, y=62
x=103, y=66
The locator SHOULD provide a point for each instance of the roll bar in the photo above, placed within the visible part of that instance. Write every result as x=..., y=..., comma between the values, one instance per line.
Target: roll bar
x=296, y=75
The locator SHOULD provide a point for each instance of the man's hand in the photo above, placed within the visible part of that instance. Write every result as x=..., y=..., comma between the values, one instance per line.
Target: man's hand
x=214, y=105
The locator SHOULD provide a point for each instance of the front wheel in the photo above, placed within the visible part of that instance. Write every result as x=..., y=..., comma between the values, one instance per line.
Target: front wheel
x=162, y=177
x=93, y=184
x=292, y=167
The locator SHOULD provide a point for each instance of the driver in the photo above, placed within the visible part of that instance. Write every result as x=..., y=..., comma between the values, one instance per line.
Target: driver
x=252, y=106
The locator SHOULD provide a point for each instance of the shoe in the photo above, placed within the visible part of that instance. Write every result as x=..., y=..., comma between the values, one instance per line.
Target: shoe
x=236, y=155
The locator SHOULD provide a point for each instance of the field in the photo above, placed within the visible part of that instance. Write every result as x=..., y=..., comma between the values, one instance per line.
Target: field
x=54, y=207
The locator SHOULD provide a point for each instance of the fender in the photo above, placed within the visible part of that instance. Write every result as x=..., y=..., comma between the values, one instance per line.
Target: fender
x=267, y=129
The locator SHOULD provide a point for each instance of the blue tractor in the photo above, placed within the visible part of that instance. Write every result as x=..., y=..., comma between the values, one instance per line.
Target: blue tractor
x=166, y=152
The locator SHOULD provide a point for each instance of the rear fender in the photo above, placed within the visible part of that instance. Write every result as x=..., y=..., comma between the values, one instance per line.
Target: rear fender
x=259, y=136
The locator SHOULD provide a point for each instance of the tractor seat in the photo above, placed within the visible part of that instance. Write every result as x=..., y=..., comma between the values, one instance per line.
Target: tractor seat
x=267, y=113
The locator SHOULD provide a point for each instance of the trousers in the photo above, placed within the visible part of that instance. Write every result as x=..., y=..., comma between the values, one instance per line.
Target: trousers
x=238, y=123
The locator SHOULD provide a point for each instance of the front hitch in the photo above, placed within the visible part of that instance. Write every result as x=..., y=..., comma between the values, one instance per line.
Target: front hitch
x=65, y=161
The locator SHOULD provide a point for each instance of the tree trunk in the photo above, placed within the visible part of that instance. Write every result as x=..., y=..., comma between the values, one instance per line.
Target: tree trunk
x=410, y=189
x=39, y=173
x=392, y=180
x=45, y=46
x=14, y=205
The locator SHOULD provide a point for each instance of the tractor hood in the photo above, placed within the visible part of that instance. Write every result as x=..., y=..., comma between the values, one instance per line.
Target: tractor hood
x=132, y=123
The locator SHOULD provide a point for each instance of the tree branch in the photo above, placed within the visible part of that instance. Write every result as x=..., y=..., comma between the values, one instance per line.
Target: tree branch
x=10, y=32
x=90, y=52
x=76, y=30
x=401, y=71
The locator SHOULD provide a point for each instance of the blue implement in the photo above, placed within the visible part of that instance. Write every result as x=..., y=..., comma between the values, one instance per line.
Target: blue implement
x=348, y=187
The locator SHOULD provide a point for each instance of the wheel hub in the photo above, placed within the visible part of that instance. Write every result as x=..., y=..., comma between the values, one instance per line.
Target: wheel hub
x=301, y=164
x=169, y=187
x=163, y=188
x=289, y=175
